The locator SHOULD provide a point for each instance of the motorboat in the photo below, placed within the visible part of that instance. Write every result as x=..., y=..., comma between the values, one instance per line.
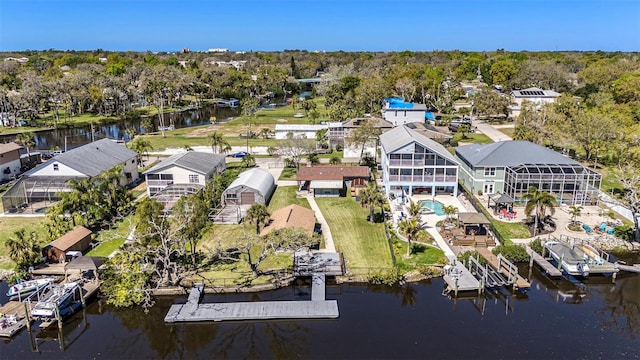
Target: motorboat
x=24, y=288
x=59, y=296
x=571, y=261
x=10, y=325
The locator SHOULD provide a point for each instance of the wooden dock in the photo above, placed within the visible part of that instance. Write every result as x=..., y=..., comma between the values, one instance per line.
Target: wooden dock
x=317, y=308
x=629, y=268
x=14, y=309
x=458, y=279
x=545, y=265
x=499, y=264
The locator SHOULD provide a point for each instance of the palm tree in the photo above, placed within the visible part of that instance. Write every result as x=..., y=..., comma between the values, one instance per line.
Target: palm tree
x=23, y=248
x=540, y=202
x=449, y=211
x=335, y=160
x=219, y=143
x=257, y=214
x=248, y=161
x=574, y=211
x=322, y=138
x=414, y=209
x=131, y=132
x=372, y=197
x=26, y=140
x=409, y=228
x=141, y=146
x=265, y=133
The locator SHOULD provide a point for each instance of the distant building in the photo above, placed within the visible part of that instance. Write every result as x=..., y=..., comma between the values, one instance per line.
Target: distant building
x=298, y=131
x=398, y=112
x=535, y=96
x=185, y=50
x=9, y=161
x=217, y=50
x=21, y=60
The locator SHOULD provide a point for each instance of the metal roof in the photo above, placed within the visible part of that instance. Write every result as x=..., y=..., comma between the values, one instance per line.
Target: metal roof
x=511, y=153
x=93, y=158
x=300, y=127
x=257, y=179
x=198, y=162
x=534, y=92
x=403, y=136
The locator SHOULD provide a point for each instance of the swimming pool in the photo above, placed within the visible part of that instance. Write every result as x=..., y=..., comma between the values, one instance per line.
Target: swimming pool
x=436, y=206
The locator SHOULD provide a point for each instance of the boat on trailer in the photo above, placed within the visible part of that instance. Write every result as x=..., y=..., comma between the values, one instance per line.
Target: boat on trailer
x=571, y=261
x=24, y=288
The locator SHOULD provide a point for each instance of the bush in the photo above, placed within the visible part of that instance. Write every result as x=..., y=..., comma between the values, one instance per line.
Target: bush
x=575, y=226
x=429, y=271
x=453, y=142
x=624, y=232
x=339, y=147
x=386, y=277
x=513, y=253
x=536, y=245
x=464, y=257
x=272, y=150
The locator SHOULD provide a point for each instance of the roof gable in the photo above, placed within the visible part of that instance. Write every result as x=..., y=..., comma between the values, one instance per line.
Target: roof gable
x=332, y=172
x=8, y=147
x=71, y=238
x=402, y=136
x=198, y=162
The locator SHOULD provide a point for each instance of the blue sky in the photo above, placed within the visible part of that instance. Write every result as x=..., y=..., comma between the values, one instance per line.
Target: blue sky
x=350, y=25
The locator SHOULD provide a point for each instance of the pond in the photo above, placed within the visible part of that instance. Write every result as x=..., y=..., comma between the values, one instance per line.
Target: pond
x=554, y=320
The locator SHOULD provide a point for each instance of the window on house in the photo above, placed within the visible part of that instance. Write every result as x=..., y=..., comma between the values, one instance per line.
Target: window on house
x=232, y=196
x=56, y=167
x=193, y=179
x=490, y=171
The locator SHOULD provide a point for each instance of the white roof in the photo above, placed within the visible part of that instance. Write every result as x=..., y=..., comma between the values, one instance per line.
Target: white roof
x=326, y=184
x=534, y=92
x=300, y=127
x=255, y=178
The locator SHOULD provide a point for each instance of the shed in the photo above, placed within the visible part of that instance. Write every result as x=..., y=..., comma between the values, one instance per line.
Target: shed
x=78, y=239
x=327, y=188
x=252, y=186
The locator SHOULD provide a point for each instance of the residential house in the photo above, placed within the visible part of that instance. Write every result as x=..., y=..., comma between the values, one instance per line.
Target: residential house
x=251, y=187
x=341, y=132
x=292, y=216
x=511, y=167
x=78, y=239
x=398, y=112
x=9, y=161
x=298, y=131
x=45, y=182
x=331, y=180
x=188, y=168
x=533, y=95
x=414, y=164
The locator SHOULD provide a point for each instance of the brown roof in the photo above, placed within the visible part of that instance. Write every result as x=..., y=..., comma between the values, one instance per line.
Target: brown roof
x=5, y=148
x=291, y=216
x=473, y=218
x=69, y=239
x=332, y=172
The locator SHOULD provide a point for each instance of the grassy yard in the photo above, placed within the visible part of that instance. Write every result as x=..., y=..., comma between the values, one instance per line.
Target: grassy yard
x=8, y=225
x=288, y=174
x=473, y=138
x=422, y=255
x=610, y=181
x=284, y=196
x=508, y=131
x=510, y=230
x=111, y=239
x=364, y=245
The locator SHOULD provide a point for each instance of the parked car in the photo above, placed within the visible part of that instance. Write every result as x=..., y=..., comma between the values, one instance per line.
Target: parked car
x=240, y=154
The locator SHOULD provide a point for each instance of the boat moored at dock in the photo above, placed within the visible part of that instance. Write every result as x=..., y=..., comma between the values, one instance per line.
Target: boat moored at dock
x=57, y=297
x=570, y=260
x=24, y=288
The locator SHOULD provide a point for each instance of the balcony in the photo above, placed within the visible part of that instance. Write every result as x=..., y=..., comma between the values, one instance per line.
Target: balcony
x=159, y=183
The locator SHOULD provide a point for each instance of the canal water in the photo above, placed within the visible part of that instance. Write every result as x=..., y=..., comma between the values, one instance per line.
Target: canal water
x=554, y=320
x=74, y=137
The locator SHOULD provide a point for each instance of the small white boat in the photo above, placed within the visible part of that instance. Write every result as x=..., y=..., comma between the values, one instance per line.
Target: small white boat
x=24, y=288
x=571, y=261
x=10, y=325
x=59, y=296
x=166, y=128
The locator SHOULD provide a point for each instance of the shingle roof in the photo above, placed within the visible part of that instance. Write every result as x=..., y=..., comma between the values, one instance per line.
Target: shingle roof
x=5, y=148
x=69, y=239
x=403, y=135
x=291, y=216
x=332, y=172
x=93, y=158
x=198, y=162
x=255, y=178
x=510, y=153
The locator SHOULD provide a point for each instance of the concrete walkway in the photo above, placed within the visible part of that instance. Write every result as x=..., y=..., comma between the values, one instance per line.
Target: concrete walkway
x=326, y=231
x=493, y=133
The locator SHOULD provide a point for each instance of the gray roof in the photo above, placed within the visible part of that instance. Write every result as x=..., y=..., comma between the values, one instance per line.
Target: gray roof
x=198, y=162
x=255, y=178
x=403, y=135
x=93, y=158
x=510, y=153
x=534, y=92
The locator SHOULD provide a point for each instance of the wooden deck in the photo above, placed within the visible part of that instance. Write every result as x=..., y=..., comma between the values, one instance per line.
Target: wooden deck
x=545, y=265
x=458, y=278
x=317, y=308
x=520, y=282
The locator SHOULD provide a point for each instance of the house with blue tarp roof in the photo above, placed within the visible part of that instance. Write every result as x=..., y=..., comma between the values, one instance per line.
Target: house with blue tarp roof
x=398, y=112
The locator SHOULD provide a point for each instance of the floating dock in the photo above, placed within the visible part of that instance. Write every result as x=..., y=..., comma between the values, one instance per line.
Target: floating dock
x=545, y=265
x=317, y=308
x=506, y=268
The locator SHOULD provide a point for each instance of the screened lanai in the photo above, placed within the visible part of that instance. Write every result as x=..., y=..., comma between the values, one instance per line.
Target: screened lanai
x=172, y=193
x=572, y=184
x=34, y=194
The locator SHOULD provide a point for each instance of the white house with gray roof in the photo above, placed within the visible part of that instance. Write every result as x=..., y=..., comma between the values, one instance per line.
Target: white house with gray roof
x=511, y=167
x=415, y=164
x=188, y=168
x=536, y=96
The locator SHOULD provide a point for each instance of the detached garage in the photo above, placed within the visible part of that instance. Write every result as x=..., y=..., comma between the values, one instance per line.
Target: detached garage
x=252, y=186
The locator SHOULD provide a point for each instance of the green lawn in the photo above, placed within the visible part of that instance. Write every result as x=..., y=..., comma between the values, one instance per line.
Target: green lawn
x=284, y=196
x=8, y=225
x=288, y=174
x=110, y=240
x=508, y=131
x=473, y=138
x=364, y=245
x=423, y=255
x=284, y=115
x=510, y=230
